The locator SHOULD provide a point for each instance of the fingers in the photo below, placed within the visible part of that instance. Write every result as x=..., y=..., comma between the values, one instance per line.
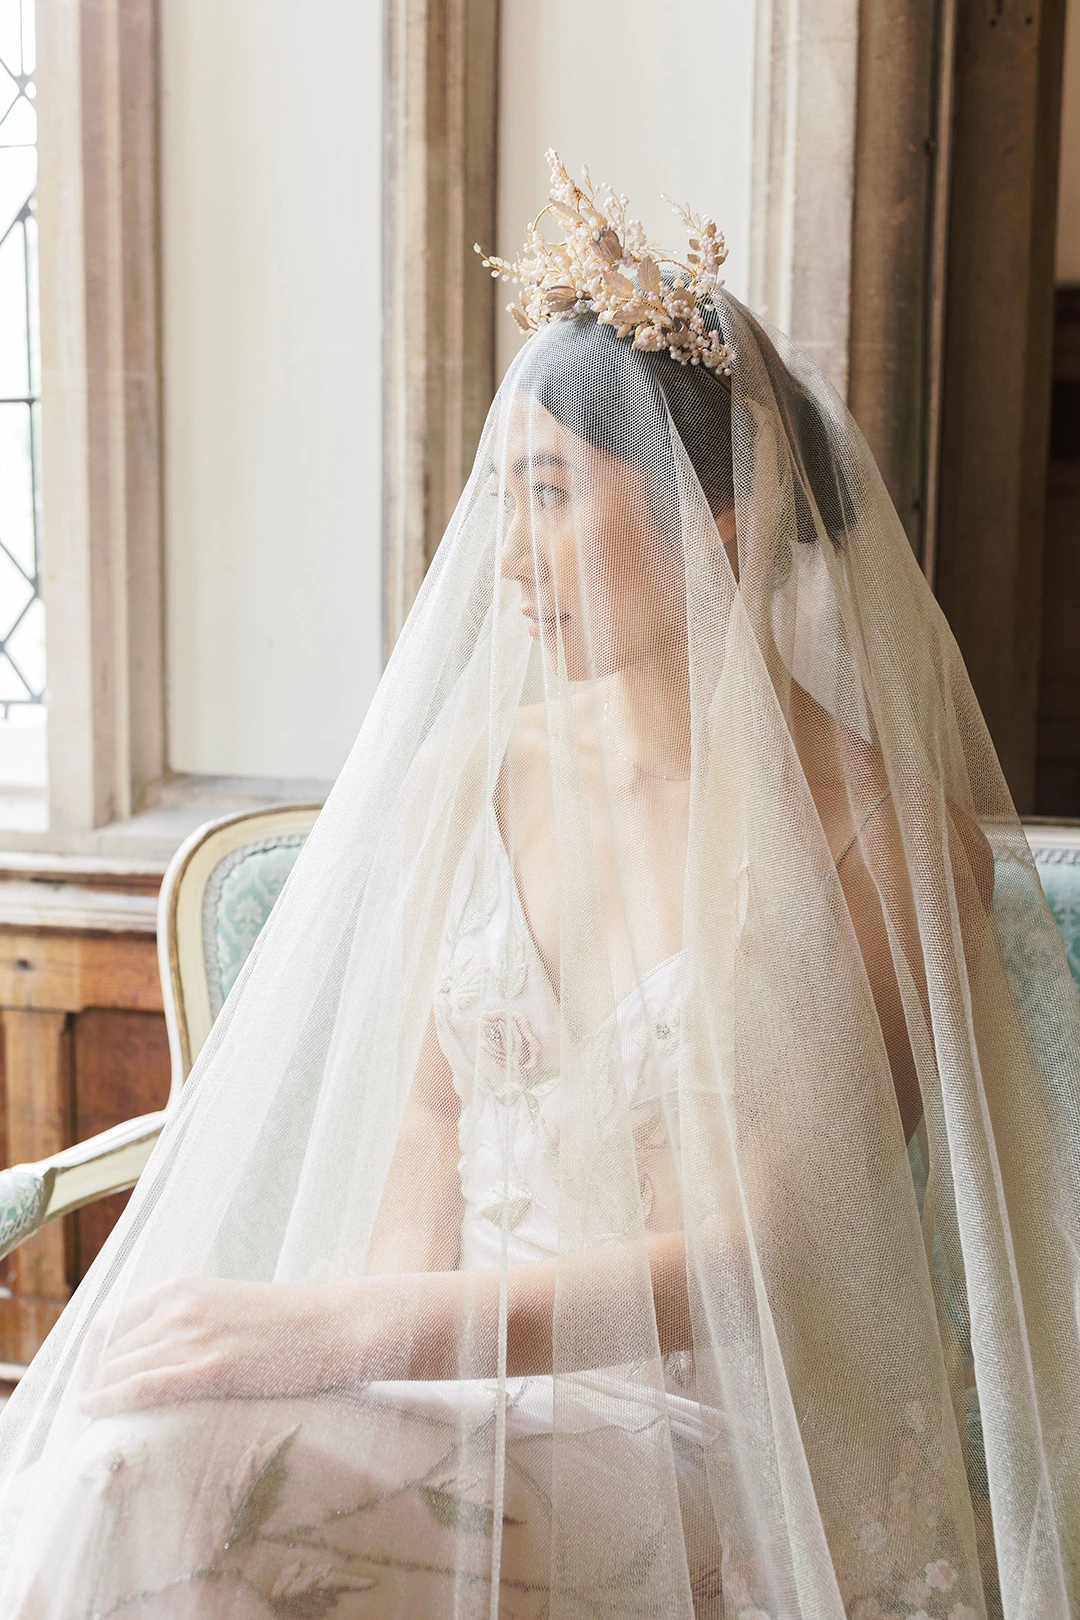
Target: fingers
x=142, y=1305
x=154, y=1358
x=159, y=1386
x=172, y=1309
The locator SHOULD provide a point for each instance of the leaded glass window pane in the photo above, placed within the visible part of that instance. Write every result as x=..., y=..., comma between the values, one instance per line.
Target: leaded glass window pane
x=22, y=615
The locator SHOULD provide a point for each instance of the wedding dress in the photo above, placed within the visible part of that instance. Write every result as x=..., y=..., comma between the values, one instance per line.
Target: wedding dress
x=636, y=1173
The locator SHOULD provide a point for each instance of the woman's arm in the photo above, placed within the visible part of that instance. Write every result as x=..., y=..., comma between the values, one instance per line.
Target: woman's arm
x=418, y=1226
x=448, y=1325
x=875, y=868
x=206, y=1338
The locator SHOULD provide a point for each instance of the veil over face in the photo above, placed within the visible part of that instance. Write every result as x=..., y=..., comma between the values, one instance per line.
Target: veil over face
x=675, y=842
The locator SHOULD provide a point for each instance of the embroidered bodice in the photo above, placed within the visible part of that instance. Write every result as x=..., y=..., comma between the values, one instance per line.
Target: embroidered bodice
x=498, y=1022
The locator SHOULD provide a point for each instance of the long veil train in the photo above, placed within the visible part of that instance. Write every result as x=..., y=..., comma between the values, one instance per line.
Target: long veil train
x=643, y=1047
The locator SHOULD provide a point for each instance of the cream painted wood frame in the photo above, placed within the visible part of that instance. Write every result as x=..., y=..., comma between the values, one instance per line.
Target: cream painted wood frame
x=181, y=951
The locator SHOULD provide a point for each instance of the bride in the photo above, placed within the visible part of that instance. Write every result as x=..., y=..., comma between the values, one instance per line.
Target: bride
x=636, y=1174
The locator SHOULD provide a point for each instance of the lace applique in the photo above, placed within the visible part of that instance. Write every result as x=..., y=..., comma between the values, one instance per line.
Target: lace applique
x=667, y=1027
x=508, y=1212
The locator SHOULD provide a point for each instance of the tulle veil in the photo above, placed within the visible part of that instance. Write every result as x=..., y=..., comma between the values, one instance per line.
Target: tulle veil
x=876, y=1411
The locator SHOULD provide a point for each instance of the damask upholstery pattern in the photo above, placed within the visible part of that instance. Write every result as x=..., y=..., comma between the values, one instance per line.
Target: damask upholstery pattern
x=238, y=899
x=22, y=1201
x=1059, y=869
x=1029, y=959
x=242, y=891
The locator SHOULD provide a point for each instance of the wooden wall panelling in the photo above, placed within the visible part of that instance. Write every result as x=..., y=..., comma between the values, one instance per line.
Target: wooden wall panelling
x=45, y=971
x=39, y=1097
x=996, y=363
x=84, y=1047
x=905, y=161
x=121, y=1065
x=1057, y=791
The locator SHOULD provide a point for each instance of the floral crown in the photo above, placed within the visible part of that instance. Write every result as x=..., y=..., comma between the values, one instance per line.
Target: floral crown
x=607, y=266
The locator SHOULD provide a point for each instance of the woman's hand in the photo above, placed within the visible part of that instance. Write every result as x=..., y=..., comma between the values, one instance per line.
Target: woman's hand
x=209, y=1338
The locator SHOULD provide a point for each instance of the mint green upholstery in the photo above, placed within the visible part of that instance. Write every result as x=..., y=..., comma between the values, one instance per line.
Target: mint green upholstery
x=243, y=888
x=1031, y=961
x=238, y=899
x=1059, y=870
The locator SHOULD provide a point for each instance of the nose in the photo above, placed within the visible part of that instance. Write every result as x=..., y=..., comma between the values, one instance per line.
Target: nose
x=517, y=554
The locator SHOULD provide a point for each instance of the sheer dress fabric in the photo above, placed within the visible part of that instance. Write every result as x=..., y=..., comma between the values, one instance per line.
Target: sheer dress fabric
x=607, y=863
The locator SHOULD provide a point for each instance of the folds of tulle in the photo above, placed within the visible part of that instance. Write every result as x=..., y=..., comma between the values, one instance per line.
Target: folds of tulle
x=877, y=1414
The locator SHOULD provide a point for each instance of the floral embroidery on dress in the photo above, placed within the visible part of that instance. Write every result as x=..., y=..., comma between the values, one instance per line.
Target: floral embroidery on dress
x=511, y=971
x=460, y=989
x=122, y=1465
x=508, y=1059
x=508, y=1212
x=667, y=1024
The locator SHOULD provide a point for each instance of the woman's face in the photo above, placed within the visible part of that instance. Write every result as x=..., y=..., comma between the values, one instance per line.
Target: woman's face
x=585, y=550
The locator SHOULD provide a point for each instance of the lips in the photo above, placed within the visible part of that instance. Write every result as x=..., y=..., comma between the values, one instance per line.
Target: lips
x=547, y=620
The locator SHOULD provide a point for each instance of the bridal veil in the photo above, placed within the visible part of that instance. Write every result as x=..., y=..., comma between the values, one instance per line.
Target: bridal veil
x=691, y=851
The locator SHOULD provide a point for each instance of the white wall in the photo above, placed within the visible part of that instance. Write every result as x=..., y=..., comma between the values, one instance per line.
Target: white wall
x=271, y=160
x=653, y=101
x=1068, y=239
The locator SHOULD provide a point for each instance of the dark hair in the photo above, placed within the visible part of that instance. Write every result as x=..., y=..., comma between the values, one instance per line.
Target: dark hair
x=581, y=367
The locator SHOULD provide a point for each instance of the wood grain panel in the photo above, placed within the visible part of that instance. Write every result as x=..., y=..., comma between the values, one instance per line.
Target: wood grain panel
x=61, y=972
x=121, y=1070
x=996, y=364
x=40, y=1119
x=84, y=1047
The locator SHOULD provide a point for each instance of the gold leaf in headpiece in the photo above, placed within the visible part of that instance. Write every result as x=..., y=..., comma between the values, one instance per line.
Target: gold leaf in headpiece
x=560, y=299
x=648, y=274
x=611, y=249
x=619, y=285
x=565, y=215
x=606, y=264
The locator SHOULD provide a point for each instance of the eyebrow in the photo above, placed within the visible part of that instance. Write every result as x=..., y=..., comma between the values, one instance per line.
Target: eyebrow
x=547, y=458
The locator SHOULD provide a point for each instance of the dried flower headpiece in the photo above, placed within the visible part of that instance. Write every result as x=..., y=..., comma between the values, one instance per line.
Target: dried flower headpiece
x=607, y=266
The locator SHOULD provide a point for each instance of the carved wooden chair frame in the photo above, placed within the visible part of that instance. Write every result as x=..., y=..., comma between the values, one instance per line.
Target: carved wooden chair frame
x=31, y=1195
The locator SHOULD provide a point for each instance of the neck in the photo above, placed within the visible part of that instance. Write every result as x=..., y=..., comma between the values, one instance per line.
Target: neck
x=649, y=716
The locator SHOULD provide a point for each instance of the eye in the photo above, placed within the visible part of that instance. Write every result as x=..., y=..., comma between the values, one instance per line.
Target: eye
x=548, y=496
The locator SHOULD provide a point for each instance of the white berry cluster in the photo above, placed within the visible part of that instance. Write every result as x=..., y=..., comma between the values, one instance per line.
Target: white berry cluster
x=606, y=266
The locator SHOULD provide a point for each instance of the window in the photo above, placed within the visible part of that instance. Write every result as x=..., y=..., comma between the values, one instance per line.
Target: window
x=22, y=615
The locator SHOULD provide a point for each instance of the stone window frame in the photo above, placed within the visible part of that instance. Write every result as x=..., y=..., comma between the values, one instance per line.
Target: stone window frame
x=110, y=791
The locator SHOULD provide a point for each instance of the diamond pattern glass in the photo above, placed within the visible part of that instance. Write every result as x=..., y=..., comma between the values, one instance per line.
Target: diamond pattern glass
x=22, y=619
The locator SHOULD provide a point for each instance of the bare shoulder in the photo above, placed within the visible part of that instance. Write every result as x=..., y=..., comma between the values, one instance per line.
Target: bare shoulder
x=851, y=788
x=845, y=772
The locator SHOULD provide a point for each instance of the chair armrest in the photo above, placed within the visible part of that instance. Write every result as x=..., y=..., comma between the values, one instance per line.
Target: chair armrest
x=33, y=1194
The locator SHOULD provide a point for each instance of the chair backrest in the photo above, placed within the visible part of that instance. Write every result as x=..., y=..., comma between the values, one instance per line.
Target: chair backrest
x=222, y=883
x=1056, y=848
x=216, y=895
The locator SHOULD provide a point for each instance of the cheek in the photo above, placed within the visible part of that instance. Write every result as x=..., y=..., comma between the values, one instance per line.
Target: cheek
x=571, y=558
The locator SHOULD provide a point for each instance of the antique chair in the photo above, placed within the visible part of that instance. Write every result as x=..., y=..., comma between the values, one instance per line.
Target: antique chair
x=216, y=894
x=1056, y=848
